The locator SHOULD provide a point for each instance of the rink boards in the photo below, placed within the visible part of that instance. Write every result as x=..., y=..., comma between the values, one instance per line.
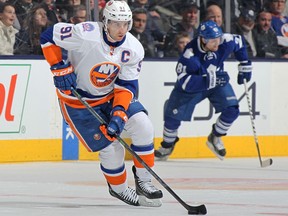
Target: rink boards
x=31, y=123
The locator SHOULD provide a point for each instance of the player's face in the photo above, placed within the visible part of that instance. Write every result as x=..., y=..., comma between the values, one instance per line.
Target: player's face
x=117, y=29
x=213, y=44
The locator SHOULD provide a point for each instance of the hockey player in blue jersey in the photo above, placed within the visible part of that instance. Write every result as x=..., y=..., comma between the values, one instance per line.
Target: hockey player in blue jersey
x=200, y=75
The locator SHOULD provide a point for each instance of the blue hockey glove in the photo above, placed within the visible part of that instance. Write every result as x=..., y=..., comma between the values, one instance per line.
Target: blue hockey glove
x=116, y=124
x=64, y=77
x=117, y=121
x=245, y=72
x=216, y=78
x=222, y=78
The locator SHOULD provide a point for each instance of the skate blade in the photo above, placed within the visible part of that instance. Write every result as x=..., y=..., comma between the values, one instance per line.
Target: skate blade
x=210, y=146
x=144, y=201
x=161, y=158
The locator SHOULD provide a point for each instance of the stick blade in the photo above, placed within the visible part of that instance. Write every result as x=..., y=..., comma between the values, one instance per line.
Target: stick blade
x=197, y=210
x=267, y=163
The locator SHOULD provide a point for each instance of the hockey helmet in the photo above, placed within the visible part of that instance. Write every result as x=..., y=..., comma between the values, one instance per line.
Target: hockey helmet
x=209, y=30
x=117, y=11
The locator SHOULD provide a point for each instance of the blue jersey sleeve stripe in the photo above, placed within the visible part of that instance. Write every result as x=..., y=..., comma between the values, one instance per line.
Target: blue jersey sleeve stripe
x=131, y=85
x=47, y=36
x=111, y=172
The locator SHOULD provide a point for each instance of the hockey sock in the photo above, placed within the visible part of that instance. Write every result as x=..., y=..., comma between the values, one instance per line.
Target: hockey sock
x=117, y=178
x=225, y=120
x=169, y=136
x=145, y=152
x=143, y=174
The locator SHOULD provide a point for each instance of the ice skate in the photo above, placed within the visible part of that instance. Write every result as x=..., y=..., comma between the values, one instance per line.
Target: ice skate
x=163, y=153
x=145, y=189
x=216, y=145
x=128, y=196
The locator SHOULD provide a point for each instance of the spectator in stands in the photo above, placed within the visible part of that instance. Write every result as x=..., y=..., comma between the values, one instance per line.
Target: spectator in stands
x=65, y=8
x=256, y=5
x=16, y=23
x=154, y=25
x=101, y=5
x=52, y=12
x=22, y=8
x=214, y=12
x=7, y=31
x=138, y=30
x=28, y=40
x=265, y=38
x=204, y=5
x=279, y=24
x=234, y=11
x=188, y=24
x=243, y=26
x=74, y=2
x=78, y=14
x=181, y=40
x=286, y=9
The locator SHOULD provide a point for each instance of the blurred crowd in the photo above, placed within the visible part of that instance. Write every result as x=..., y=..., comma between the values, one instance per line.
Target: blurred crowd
x=163, y=27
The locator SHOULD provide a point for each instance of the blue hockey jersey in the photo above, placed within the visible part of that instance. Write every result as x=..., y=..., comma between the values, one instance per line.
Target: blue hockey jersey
x=194, y=63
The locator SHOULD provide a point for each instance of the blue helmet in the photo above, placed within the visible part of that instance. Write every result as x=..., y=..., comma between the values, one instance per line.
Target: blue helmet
x=209, y=30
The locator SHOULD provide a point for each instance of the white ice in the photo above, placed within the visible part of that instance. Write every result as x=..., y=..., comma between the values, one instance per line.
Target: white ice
x=234, y=187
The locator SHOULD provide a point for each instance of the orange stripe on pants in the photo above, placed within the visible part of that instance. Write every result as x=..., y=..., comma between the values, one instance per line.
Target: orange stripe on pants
x=148, y=159
x=116, y=180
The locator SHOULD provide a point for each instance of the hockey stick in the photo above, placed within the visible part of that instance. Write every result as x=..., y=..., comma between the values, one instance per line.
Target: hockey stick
x=269, y=161
x=194, y=210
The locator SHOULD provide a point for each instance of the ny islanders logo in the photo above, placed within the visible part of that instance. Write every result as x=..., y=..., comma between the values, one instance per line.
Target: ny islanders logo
x=104, y=74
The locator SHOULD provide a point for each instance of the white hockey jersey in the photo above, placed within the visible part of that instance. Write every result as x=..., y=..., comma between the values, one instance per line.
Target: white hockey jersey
x=101, y=67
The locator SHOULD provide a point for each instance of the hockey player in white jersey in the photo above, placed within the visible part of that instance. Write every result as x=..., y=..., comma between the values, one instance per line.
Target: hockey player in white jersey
x=104, y=62
x=200, y=75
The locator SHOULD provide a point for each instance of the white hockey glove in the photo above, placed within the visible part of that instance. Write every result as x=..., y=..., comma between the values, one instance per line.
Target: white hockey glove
x=245, y=72
x=211, y=78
